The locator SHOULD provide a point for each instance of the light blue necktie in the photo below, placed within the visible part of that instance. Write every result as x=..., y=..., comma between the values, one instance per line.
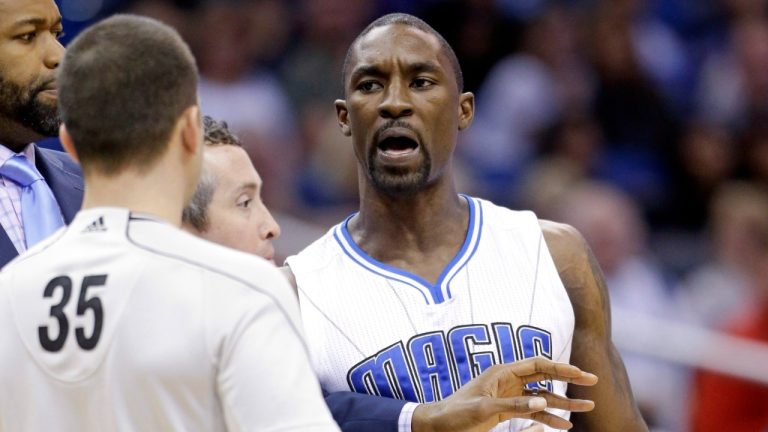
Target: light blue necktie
x=40, y=213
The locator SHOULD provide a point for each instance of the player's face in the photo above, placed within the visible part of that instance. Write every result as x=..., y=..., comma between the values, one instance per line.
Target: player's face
x=403, y=108
x=30, y=52
x=237, y=217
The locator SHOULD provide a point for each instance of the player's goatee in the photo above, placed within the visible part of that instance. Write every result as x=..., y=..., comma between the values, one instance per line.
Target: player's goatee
x=399, y=181
x=23, y=106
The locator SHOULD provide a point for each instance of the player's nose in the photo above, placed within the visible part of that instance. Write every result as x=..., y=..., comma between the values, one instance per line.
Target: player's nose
x=396, y=101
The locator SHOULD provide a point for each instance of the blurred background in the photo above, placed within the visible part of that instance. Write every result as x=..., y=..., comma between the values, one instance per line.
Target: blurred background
x=644, y=124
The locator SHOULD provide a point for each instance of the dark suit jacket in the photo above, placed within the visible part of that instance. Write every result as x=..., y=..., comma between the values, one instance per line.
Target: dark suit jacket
x=356, y=412
x=65, y=179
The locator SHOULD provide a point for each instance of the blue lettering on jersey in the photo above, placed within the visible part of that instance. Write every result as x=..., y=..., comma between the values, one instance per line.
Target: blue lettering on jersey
x=385, y=374
x=469, y=364
x=435, y=365
x=535, y=342
x=430, y=358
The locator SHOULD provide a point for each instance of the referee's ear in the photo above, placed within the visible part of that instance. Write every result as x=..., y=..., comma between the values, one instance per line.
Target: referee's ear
x=67, y=143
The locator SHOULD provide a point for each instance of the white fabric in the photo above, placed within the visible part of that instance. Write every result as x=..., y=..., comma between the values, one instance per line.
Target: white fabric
x=406, y=415
x=503, y=286
x=194, y=336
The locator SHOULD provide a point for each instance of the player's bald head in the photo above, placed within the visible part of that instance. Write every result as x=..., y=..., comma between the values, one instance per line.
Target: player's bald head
x=412, y=21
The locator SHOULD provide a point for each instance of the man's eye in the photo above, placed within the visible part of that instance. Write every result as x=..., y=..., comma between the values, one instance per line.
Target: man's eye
x=59, y=34
x=422, y=83
x=368, y=86
x=28, y=37
x=245, y=203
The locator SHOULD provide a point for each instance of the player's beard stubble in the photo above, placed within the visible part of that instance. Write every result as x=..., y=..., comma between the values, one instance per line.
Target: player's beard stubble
x=397, y=181
x=23, y=106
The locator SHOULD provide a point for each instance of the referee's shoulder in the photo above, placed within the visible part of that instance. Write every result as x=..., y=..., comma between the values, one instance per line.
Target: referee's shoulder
x=246, y=269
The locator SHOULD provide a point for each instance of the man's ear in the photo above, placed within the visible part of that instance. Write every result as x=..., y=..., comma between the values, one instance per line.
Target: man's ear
x=67, y=143
x=191, y=130
x=343, y=116
x=466, y=109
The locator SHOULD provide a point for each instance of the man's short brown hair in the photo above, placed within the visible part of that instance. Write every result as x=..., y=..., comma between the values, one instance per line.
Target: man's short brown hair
x=123, y=83
x=196, y=212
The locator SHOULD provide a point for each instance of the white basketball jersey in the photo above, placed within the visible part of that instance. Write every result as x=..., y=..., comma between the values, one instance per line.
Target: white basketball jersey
x=124, y=322
x=376, y=329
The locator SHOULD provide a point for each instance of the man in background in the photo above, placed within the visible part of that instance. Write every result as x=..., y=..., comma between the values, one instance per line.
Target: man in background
x=40, y=189
x=227, y=208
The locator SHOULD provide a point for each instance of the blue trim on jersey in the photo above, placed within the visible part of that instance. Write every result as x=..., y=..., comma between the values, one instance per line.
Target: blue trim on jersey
x=466, y=243
x=352, y=257
x=440, y=291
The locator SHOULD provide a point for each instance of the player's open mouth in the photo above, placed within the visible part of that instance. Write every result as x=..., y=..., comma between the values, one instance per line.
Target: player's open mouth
x=397, y=147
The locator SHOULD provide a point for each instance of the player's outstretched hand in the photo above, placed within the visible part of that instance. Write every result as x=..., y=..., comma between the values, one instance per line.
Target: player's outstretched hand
x=498, y=394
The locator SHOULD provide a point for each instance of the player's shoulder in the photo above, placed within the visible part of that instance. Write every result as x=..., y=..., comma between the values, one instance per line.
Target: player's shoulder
x=497, y=216
x=573, y=258
x=562, y=239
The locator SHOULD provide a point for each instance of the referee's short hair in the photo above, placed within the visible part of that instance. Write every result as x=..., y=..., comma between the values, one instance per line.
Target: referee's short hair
x=123, y=84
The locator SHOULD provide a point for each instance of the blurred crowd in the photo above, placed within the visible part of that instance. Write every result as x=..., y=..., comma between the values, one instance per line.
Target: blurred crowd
x=643, y=123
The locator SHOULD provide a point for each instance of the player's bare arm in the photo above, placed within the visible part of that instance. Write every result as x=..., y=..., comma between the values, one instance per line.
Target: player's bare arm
x=592, y=349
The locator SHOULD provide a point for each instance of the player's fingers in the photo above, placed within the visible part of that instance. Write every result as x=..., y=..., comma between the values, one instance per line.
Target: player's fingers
x=516, y=406
x=585, y=378
x=550, y=420
x=564, y=403
x=538, y=366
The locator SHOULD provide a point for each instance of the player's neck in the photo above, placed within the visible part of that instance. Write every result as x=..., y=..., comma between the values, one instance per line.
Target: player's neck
x=390, y=228
x=154, y=192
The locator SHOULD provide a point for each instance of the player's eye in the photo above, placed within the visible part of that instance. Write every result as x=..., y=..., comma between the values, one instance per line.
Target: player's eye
x=368, y=86
x=59, y=34
x=422, y=83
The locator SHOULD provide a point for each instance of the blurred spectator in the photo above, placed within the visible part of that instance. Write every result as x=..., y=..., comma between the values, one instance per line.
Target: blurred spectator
x=613, y=226
x=570, y=154
x=721, y=402
x=477, y=31
x=719, y=288
x=706, y=157
x=638, y=128
x=523, y=95
x=755, y=150
x=733, y=88
x=236, y=87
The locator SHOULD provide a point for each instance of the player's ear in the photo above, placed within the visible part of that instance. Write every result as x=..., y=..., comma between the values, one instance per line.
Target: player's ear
x=466, y=109
x=343, y=116
x=191, y=130
x=67, y=143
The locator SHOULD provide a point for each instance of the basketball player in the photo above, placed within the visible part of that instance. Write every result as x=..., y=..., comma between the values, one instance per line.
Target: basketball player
x=218, y=207
x=423, y=289
x=122, y=321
